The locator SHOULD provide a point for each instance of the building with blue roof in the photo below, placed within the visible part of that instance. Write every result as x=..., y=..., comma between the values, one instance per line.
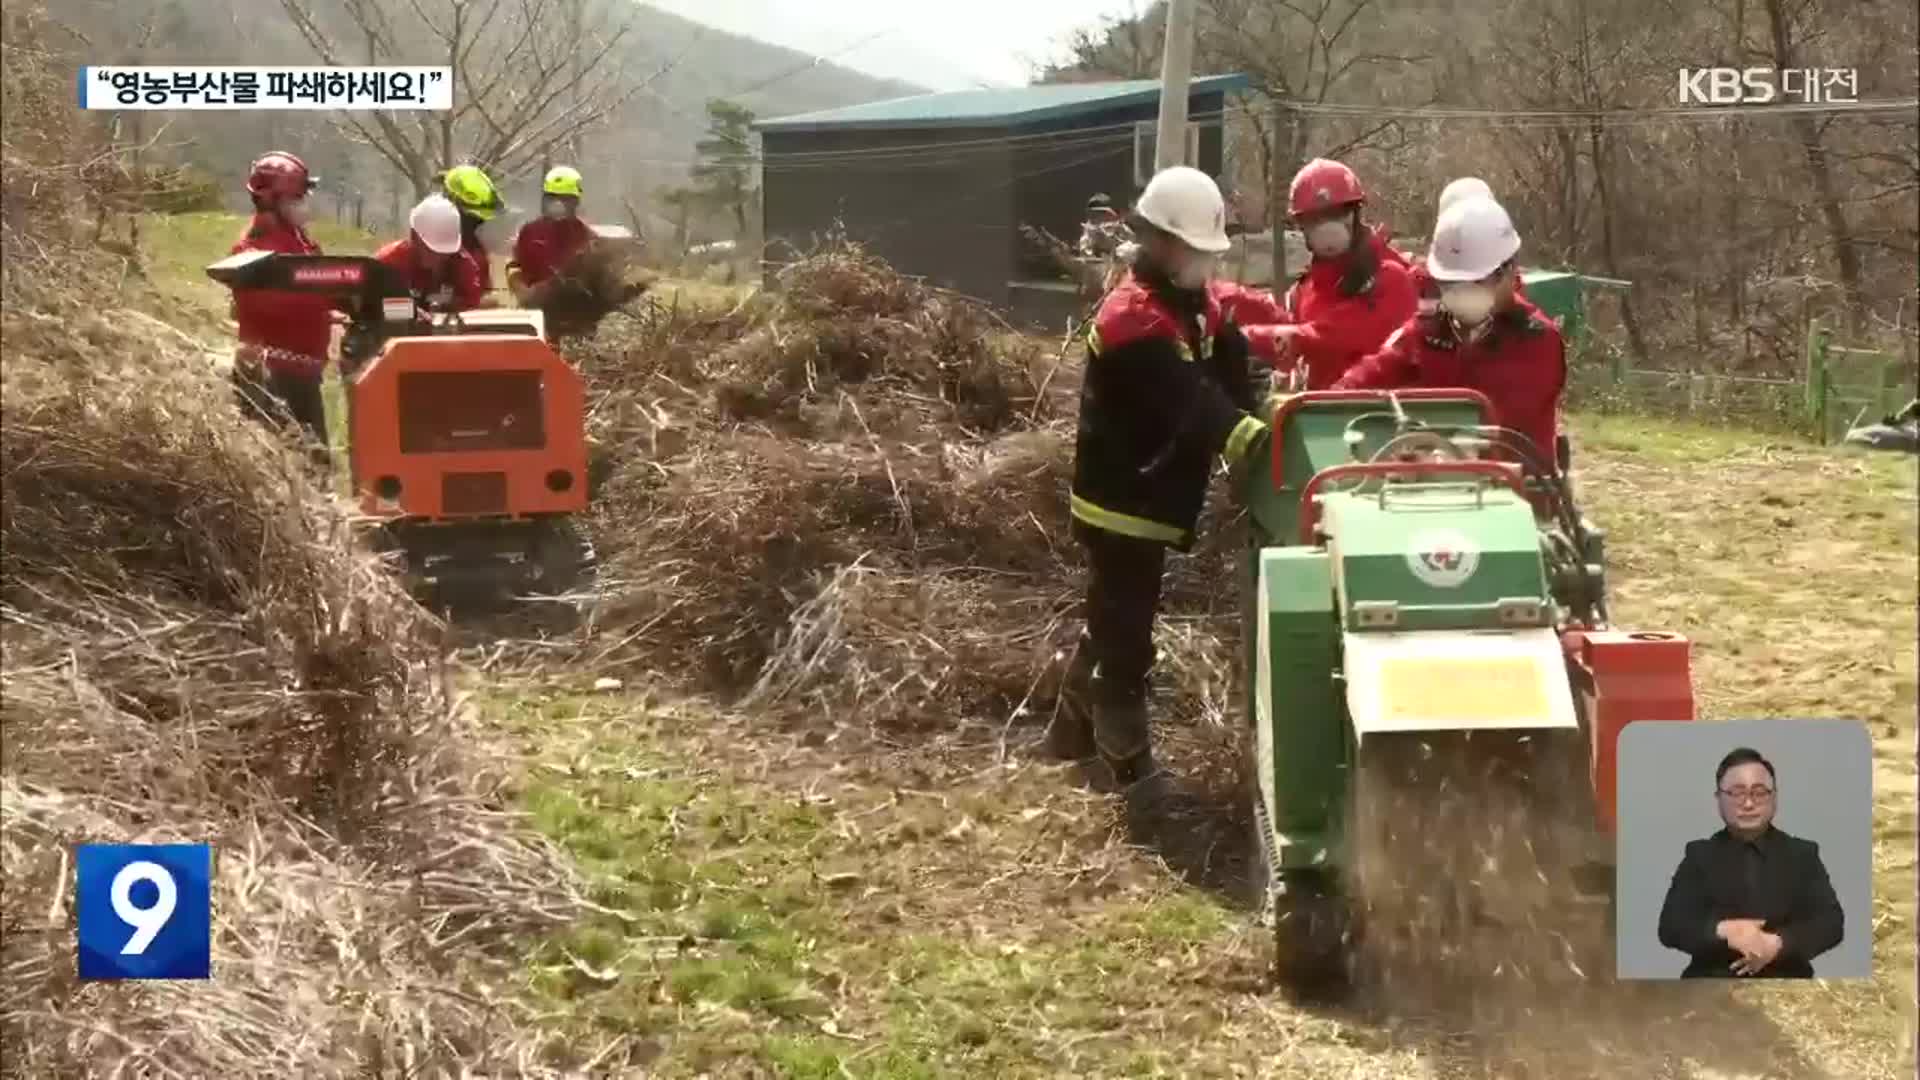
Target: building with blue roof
x=940, y=184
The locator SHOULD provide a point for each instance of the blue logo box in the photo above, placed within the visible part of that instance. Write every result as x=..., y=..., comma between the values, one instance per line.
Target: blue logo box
x=145, y=910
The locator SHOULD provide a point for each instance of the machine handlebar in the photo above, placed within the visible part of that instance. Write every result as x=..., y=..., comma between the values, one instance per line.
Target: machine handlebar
x=1294, y=403
x=1506, y=473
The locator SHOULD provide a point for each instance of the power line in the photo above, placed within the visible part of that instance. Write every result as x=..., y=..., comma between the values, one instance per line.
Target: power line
x=812, y=64
x=1681, y=112
x=935, y=153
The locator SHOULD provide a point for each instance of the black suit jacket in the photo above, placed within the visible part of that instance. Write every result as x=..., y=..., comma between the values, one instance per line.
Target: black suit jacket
x=1777, y=878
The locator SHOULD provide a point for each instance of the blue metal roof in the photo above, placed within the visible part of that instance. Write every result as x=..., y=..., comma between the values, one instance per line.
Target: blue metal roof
x=991, y=108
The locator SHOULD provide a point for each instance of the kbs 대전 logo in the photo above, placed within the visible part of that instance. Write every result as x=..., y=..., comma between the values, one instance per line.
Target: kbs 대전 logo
x=1768, y=86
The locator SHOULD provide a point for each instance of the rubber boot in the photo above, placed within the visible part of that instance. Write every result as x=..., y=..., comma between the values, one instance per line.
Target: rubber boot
x=1070, y=735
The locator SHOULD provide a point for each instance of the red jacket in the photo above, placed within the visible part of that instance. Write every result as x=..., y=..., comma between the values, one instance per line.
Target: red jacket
x=1520, y=365
x=544, y=247
x=1247, y=307
x=1337, y=329
x=295, y=328
x=462, y=273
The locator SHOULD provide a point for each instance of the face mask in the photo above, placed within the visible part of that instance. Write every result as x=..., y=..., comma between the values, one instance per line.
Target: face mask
x=1329, y=238
x=296, y=213
x=553, y=210
x=1469, y=304
x=1196, y=273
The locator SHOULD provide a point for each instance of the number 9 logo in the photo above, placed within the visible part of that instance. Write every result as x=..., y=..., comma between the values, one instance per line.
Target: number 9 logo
x=147, y=922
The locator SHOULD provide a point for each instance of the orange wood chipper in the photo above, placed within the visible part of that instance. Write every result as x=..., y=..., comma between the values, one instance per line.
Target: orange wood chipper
x=466, y=431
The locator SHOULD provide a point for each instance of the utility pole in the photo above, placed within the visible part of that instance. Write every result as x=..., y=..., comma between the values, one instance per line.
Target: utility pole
x=1176, y=72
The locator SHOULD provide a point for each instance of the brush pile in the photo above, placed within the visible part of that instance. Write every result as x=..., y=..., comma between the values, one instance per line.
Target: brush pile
x=598, y=282
x=196, y=652
x=846, y=502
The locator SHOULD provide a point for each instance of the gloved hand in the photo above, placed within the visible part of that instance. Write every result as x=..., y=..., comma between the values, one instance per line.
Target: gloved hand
x=248, y=361
x=1233, y=366
x=1251, y=463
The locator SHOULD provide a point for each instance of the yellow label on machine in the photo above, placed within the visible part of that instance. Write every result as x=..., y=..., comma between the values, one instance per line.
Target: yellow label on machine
x=1498, y=690
x=1456, y=680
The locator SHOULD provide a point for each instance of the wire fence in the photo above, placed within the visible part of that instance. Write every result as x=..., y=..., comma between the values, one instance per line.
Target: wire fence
x=1841, y=387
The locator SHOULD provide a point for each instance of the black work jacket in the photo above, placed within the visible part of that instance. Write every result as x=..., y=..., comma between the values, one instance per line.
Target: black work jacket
x=1167, y=387
x=1777, y=878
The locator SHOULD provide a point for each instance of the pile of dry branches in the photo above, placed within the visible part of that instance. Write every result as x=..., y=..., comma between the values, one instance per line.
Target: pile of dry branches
x=195, y=651
x=846, y=502
x=598, y=282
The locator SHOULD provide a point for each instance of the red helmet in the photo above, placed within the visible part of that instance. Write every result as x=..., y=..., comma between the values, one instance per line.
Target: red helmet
x=278, y=175
x=1323, y=185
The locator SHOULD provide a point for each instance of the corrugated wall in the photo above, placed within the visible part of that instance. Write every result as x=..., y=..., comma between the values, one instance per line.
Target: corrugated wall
x=946, y=203
x=1072, y=159
x=934, y=203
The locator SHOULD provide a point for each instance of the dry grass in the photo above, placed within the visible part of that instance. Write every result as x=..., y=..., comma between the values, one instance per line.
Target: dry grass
x=848, y=495
x=195, y=651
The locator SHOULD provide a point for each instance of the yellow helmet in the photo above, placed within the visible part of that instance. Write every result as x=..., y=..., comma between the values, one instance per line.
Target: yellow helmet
x=472, y=192
x=562, y=180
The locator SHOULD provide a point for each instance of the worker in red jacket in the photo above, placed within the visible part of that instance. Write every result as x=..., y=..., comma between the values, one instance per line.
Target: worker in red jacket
x=440, y=273
x=545, y=246
x=284, y=336
x=1356, y=290
x=1165, y=394
x=1484, y=336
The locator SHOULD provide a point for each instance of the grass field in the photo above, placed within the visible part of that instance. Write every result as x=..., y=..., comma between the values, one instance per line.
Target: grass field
x=817, y=906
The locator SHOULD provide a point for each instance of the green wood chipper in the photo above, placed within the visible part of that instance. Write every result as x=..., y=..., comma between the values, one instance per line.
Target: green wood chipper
x=1403, y=586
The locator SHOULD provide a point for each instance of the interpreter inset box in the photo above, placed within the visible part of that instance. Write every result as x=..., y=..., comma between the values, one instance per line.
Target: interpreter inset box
x=1745, y=850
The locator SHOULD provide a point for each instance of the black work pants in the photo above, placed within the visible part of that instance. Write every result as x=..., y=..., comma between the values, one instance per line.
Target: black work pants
x=1123, y=597
x=280, y=400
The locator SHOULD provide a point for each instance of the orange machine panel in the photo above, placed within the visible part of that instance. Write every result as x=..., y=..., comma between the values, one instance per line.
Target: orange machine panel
x=1623, y=678
x=446, y=428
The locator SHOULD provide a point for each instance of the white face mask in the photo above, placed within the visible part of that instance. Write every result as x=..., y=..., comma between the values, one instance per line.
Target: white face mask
x=1329, y=238
x=553, y=210
x=1468, y=304
x=296, y=212
x=1196, y=273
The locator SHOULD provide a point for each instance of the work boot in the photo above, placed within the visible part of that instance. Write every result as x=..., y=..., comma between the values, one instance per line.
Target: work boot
x=1070, y=735
x=1121, y=735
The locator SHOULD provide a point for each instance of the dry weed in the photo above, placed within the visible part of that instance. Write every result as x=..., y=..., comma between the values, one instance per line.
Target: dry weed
x=195, y=651
x=848, y=497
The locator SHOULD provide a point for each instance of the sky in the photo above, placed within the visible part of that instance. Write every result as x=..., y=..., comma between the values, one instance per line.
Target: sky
x=939, y=44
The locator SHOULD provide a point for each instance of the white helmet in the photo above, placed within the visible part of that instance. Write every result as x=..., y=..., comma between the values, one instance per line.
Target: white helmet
x=1473, y=239
x=437, y=222
x=1467, y=187
x=1186, y=202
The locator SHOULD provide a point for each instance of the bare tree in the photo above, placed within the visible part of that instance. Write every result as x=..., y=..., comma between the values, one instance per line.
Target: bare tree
x=1298, y=52
x=1781, y=22
x=529, y=75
